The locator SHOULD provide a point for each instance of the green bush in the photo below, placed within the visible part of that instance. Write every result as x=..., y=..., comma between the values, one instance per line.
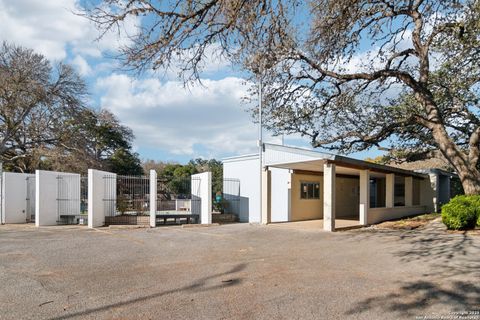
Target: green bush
x=462, y=212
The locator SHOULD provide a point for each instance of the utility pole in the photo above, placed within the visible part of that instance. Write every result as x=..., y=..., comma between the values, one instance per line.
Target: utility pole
x=260, y=138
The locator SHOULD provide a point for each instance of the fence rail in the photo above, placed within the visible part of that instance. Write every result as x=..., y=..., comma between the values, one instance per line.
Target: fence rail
x=126, y=195
x=30, y=200
x=68, y=198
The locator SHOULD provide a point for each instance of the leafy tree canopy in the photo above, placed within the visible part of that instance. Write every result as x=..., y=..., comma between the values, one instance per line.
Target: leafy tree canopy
x=45, y=123
x=350, y=75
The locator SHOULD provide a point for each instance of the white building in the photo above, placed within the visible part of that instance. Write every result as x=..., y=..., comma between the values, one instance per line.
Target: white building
x=300, y=184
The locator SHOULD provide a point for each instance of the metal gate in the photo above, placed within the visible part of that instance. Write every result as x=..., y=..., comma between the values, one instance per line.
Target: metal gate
x=126, y=195
x=174, y=195
x=227, y=199
x=68, y=199
x=133, y=195
x=178, y=200
x=84, y=195
x=30, y=200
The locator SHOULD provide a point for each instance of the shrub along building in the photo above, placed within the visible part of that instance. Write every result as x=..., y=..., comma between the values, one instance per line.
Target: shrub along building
x=300, y=184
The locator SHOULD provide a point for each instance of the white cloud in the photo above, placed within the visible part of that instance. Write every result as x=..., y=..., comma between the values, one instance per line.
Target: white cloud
x=201, y=120
x=50, y=26
x=82, y=65
x=212, y=62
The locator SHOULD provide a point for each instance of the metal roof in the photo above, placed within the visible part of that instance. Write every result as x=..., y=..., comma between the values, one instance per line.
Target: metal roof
x=283, y=156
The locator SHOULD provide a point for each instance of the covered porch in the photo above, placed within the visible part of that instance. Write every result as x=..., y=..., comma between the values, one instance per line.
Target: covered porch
x=333, y=192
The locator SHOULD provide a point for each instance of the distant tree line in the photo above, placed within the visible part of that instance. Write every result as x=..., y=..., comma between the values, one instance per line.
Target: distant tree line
x=176, y=176
x=45, y=121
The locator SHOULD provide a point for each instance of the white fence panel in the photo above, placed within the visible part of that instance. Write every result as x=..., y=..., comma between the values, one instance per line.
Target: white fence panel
x=14, y=197
x=57, y=196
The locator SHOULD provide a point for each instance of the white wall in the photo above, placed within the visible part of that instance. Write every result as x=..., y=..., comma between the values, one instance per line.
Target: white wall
x=46, y=194
x=247, y=170
x=97, y=192
x=202, y=190
x=14, y=204
x=281, y=195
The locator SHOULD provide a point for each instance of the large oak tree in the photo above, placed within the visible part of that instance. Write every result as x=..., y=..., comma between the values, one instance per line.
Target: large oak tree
x=350, y=75
x=45, y=122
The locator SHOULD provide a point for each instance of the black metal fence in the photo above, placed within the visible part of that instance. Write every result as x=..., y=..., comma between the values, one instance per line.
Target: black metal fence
x=132, y=195
x=176, y=194
x=84, y=195
x=68, y=199
x=228, y=199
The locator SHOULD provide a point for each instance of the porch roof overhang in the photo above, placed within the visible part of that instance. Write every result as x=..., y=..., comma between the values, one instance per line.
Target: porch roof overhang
x=294, y=158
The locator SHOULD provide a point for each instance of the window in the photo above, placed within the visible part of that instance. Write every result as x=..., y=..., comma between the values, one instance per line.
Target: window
x=377, y=192
x=399, y=191
x=309, y=190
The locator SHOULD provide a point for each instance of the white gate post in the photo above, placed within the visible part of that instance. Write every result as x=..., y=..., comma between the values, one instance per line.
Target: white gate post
x=153, y=198
x=97, y=193
x=204, y=192
x=92, y=184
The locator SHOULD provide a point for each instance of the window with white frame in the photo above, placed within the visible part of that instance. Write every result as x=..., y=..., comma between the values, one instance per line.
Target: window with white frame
x=309, y=190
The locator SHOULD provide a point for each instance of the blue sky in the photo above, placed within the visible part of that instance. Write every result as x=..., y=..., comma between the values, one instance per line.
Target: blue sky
x=170, y=122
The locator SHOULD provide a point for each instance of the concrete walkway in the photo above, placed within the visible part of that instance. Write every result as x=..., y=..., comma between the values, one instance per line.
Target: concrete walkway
x=316, y=224
x=236, y=271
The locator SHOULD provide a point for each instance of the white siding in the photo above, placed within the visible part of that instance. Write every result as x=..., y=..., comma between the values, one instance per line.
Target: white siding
x=281, y=195
x=281, y=155
x=247, y=170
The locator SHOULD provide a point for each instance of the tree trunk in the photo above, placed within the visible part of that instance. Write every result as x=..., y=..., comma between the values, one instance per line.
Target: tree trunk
x=468, y=172
x=470, y=179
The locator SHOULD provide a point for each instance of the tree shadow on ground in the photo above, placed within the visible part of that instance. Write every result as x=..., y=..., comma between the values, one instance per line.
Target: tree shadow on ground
x=453, y=263
x=412, y=298
x=197, y=286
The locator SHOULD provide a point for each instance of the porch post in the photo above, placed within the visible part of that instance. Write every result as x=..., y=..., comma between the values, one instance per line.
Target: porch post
x=266, y=196
x=408, y=191
x=153, y=198
x=390, y=190
x=329, y=197
x=364, y=196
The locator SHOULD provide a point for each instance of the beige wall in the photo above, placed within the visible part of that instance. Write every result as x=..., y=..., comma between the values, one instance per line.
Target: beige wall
x=305, y=209
x=347, y=196
x=376, y=215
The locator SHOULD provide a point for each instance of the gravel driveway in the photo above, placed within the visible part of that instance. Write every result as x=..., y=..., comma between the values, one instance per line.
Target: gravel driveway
x=237, y=271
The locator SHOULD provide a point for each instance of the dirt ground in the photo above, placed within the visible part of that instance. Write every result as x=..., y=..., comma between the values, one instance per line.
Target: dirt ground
x=236, y=271
x=422, y=221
